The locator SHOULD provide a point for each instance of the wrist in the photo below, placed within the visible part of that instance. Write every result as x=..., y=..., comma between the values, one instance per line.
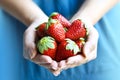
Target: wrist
x=37, y=21
x=81, y=17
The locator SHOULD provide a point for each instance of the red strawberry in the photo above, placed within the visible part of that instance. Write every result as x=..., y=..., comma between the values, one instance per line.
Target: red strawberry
x=41, y=30
x=56, y=30
x=60, y=18
x=66, y=48
x=47, y=46
x=80, y=42
x=76, y=30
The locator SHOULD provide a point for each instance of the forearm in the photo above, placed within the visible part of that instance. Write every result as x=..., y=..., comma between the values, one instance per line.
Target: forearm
x=93, y=10
x=24, y=10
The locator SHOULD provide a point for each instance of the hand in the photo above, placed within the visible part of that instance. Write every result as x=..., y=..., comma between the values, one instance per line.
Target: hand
x=30, y=51
x=89, y=51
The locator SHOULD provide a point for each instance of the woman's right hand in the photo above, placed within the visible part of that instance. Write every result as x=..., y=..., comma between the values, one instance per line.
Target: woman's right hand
x=30, y=51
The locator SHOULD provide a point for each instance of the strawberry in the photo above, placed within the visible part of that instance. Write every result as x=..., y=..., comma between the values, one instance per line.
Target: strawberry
x=80, y=42
x=55, y=29
x=76, y=30
x=41, y=30
x=60, y=18
x=47, y=46
x=66, y=48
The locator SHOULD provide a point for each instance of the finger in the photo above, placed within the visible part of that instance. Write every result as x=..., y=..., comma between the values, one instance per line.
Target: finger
x=91, y=43
x=67, y=67
x=77, y=60
x=29, y=35
x=62, y=64
x=93, y=34
x=29, y=52
x=72, y=62
x=56, y=72
x=92, y=55
x=52, y=66
x=42, y=59
x=29, y=44
x=45, y=61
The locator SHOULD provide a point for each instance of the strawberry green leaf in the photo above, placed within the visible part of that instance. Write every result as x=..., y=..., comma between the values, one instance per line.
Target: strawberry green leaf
x=65, y=29
x=76, y=49
x=72, y=46
x=45, y=43
x=50, y=45
x=47, y=26
x=52, y=20
x=53, y=14
x=42, y=48
x=83, y=40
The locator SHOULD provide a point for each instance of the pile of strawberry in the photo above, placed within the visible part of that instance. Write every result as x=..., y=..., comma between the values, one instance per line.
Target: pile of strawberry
x=60, y=39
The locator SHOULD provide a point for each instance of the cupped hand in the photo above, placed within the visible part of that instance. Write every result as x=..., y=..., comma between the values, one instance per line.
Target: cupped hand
x=89, y=50
x=30, y=51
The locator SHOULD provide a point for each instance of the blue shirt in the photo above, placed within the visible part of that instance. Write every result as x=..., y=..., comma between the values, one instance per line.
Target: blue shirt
x=13, y=66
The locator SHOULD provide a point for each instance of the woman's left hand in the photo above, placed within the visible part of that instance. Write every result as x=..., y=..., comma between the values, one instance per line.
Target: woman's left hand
x=89, y=51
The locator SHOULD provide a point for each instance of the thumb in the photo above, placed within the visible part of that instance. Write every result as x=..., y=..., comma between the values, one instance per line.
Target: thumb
x=29, y=52
x=29, y=46
x=90, y=46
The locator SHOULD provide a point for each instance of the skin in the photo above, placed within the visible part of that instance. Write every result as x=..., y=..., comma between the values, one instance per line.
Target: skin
x=31, y=15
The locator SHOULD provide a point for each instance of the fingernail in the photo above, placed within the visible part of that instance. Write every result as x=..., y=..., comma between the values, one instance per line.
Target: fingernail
x=56, y=74
x=70, y=62
x=54, y=65
x=32, y=54
x=54, y=68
